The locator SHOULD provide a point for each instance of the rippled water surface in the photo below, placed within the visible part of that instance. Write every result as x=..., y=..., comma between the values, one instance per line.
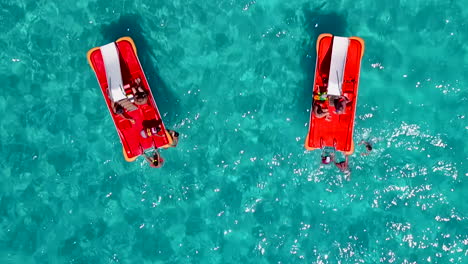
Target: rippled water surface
x=234, y=78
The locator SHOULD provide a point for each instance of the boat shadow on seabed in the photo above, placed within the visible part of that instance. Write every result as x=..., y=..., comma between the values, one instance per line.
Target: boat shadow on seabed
x=129, y=25
x=315, y=22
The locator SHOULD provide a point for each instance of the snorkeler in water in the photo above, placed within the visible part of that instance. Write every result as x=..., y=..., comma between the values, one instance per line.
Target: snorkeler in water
x=155, y=161
x=344, y=167
x=329, y=157
x=368, y=146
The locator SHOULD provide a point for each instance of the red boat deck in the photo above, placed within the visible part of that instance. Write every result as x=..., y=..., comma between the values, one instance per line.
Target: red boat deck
x=146, y=116
x=338, y=131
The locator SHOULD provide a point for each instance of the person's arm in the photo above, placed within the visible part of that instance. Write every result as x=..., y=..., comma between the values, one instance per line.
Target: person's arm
x=148, y=158
x=363, y=142
x=128, y=118
x=321, y=115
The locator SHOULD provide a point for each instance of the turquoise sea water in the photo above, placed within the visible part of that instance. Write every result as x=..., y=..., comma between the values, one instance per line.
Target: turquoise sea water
x=234, y=78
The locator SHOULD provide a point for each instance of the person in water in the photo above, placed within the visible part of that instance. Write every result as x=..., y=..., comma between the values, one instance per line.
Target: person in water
x=343, y=165
x=119, y=110
x=155, y=161
x=175, y=137
x=327, y=157
x=368, y=147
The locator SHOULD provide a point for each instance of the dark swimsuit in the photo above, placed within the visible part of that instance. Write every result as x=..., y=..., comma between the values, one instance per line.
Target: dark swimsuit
x=119, y=109
x=140, y=95
x=319, y=110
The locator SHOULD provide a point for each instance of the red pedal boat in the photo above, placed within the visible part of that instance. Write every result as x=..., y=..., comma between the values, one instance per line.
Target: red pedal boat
x=129, y=98
x=335, y=93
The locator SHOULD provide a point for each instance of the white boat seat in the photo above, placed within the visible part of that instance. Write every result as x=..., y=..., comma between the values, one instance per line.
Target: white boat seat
x=337, y=65
x=110, y=55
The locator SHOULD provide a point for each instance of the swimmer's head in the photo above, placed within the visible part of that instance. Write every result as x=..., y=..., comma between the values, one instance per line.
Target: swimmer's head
x=326, y=160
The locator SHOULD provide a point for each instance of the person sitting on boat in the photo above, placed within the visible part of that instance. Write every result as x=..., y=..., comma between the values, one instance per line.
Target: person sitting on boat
x=155, y=161
x=320, y=112
x=175, y=137
x=120, y=110
x=340, y=104
x=151, y=128
x=148, y=132
x=141, y=96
